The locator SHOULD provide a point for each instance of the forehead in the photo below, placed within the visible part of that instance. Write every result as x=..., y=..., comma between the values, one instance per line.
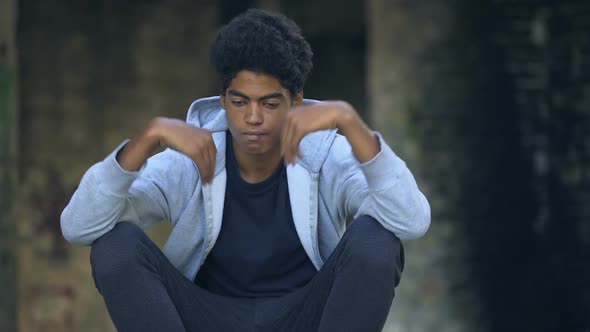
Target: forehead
x=255, y=85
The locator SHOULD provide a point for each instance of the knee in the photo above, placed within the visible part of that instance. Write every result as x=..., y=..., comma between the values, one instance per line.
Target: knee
x=374, y=248
x=116, y=252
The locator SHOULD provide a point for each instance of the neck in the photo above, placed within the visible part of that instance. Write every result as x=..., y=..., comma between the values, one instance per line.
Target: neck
x=257, y=168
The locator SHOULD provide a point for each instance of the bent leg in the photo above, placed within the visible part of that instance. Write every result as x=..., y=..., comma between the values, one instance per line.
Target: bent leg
x=366, y=267
x=126, y=268
x=143, y=291
x=353, y=290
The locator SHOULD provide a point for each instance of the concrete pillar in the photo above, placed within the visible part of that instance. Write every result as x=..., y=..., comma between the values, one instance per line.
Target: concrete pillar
x=8, y=151
x=407, y=93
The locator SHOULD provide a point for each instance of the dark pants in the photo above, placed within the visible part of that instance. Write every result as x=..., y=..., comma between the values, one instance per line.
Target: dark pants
x=353, y=291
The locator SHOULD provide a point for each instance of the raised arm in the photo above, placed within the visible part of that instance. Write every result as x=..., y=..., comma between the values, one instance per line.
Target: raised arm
x=197, y=143
x=365, y=174
x=125, y=187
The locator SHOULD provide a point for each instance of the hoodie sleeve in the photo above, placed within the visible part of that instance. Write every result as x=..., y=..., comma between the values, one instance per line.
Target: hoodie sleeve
x=108, y=194
x=383, y=188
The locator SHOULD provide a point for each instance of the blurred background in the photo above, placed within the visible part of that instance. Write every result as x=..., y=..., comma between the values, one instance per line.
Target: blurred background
x=487, y=101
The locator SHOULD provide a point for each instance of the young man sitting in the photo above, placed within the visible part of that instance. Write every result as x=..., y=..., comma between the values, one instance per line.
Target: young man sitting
x=258, y=184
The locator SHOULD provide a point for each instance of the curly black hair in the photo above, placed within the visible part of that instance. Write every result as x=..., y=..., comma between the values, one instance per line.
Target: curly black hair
x=262, y=42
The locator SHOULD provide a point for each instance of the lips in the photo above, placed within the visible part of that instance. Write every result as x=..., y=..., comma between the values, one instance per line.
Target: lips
x=253, y=135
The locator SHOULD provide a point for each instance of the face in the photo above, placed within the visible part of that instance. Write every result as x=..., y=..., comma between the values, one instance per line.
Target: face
x=256, y=106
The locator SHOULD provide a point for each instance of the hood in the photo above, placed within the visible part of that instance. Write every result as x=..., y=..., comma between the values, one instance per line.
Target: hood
x=209, y=114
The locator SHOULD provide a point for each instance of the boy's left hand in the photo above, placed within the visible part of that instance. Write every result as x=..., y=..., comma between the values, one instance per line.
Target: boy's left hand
x=302, y=120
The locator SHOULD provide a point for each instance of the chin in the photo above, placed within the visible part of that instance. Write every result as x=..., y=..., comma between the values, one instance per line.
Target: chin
x=257, y=148
x=253, y=149
x=256, y=151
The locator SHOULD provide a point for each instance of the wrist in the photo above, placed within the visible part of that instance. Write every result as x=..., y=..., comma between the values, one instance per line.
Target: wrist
x=154, y=134
x=346, y=118
x=365, y=145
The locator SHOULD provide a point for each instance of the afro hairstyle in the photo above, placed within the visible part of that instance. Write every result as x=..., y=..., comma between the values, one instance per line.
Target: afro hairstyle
x=262, y=42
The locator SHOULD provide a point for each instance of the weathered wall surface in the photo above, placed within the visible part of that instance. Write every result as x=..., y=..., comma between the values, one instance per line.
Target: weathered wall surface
x=546, y=50
x=93, y=74
x=489, y=103
x=8, y=144
x=415, y=89
x=337, y=33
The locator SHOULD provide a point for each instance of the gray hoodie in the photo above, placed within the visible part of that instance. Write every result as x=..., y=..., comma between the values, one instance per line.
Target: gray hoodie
x=326, y=186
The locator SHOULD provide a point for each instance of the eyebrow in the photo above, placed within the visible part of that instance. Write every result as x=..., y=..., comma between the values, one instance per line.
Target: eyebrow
x=269, y=96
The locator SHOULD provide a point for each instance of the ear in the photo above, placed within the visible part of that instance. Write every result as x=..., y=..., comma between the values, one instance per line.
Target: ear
x=298, y=98
x=222, y=100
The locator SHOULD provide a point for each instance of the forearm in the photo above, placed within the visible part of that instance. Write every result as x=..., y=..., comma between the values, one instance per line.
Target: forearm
x=98, y=202
x=396, y=199
x=383, y=187
x=141, y=147
x=108, y=193
x=364, y=143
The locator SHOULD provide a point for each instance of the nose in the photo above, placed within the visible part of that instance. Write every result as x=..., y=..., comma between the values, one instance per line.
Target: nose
x=254, y=115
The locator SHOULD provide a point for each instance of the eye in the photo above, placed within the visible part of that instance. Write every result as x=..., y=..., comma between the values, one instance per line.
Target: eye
x=271, y=105
x=238, y=103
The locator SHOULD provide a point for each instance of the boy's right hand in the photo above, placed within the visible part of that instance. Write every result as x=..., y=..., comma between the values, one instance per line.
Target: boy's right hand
x=196, y=143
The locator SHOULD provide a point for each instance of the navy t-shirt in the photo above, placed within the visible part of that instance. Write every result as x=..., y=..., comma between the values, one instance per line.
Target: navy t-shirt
x=258, y=252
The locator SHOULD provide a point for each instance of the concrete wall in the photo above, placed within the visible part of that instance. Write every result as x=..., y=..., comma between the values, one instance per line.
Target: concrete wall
x=414, y=89
x=488, y=103
x=8, y=144
x=546, y=52
x=93, y=74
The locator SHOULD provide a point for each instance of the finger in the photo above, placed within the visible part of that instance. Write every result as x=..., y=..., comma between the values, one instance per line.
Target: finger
x=201, y=169
x=212, y=152
x=285, y=129
x=284, y=143
x=208, y=151
x=289, y=141
x=203, y=164
x=295, y=135
x=295, y=140
x=210, y=165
